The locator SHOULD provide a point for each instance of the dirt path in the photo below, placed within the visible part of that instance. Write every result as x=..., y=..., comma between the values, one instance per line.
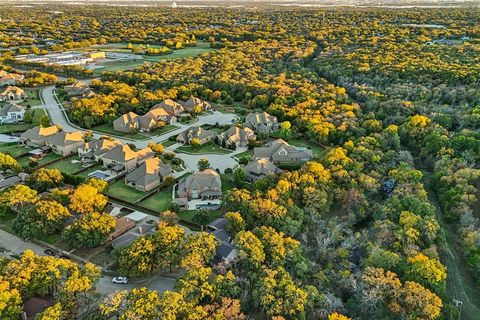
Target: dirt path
x=460, y=284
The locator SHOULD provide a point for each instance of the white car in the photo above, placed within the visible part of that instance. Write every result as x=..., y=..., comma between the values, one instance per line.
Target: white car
x=120, y=280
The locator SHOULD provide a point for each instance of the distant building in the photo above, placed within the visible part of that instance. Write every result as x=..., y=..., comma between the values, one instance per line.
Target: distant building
x=12, y=93
x=204, y=184
x=36, y=136
x=12, y=113
x=260, y=168
x=9, y=79
x=261, y=122
x=280, y=152
x=195, y=132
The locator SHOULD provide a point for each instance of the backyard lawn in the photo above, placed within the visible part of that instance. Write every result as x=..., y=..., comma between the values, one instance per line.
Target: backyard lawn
x=90, y=170
x=227, y=183
x=108, y=129
x=23, y=161
x=66, y=165
x=119, y=190
x=159, y=201
x=208, y=147
x=14, y=150
x=317, y=150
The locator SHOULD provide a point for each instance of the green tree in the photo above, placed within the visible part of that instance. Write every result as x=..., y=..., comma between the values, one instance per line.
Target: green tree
x=203, y=164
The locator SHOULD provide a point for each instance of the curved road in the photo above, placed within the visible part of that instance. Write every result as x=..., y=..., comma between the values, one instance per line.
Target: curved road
x=219, y=161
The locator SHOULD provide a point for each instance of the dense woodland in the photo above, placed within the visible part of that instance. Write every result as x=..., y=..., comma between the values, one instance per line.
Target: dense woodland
x=391, y=102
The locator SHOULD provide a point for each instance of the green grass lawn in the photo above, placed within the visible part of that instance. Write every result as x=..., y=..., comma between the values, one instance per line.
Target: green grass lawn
x=6, y=223
x=208, y=147
x=118, y=189
x=108, y=129
x=160, y=201
x=23, y=161
x=14, y=150
x=317, y=150
x=32, y=98
x=66, y=165
x=248, y=153
x=167, y=128
x=168, y=143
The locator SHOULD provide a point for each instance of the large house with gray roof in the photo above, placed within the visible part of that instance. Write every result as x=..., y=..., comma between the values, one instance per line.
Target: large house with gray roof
x=260, y=168
x=36, y=136
x=204, y=185
x=171, y=107
x=12, y=93
x=95, y=148
x=280, y=152
x=236, y=136
x=148, y=175
x=261, y=122
x=65, y=143
x=195, y=132
x=121, y=158
x=195, y=104
x=11, y=113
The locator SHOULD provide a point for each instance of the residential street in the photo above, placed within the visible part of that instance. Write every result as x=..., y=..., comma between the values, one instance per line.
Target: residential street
x=15, y=246
x=218, y=161
x=105, y=285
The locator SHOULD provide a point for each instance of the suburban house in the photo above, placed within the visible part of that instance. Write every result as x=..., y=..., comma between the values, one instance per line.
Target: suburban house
x=195, y=103
x=36, y=136
x=122, y=225
x=225, y=252
x=127, y=122
x=93, y=149
x=259, y=168
x=236, y=136
x=121, y=158
x=261, y=122
x=12, y=93
x=171, y=107
x=9, y=79
x=79, y=88
x=65, y=143
x=199, y=133
x=280, y=152
x=148, y=175
x=11, y=113
x=204, y=185
x=159, y=114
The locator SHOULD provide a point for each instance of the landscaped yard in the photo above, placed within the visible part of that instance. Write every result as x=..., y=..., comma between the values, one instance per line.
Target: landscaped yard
x=248, y=153
x=227, y=183
x=166, y=129
x=108, y=129
x=208, y=147
x=66, y=165
x=24, y=161
x=90, y=170
x=14, y=150
x=317, y=150
x=32, y=98
x=160, y=201
x=118, y=189
x=168, y=143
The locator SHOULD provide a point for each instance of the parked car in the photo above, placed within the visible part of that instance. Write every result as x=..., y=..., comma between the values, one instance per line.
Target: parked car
x=50, y=252
x=120, y=280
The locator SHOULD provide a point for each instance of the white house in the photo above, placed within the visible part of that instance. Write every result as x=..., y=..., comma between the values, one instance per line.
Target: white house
x=11, y=113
